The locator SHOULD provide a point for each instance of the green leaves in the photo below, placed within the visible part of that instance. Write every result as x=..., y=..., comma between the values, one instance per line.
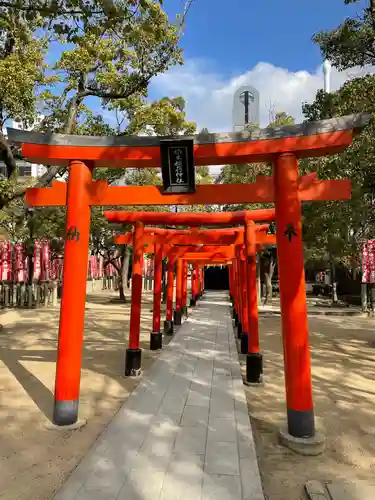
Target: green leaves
x=335, y=229
x=165, y=117
x=22, y=73
x=281, y=119
x=352, y=43
x=109, y=49
x=122, y=46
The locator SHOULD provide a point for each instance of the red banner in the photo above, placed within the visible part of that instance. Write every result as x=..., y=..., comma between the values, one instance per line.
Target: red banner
x=93, y=267
x=17, y=268
x=101, y=267
x=45, y=261
x=368, y=261
x=37, y=260
x=20, y=262
x=148, y=267
x=56, y=269
x=6, y=261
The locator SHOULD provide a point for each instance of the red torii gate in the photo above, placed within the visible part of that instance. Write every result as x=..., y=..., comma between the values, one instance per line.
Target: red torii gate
x=244, y=235
x=281, y=146
x=220, y=253
x=133, y=354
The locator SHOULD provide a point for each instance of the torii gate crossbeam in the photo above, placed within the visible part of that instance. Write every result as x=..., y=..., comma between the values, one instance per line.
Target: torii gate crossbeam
x=280, y=146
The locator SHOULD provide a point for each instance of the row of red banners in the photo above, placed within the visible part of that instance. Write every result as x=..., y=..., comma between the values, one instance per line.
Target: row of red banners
x=14, y=264
x=368, y=264
x=368, y=261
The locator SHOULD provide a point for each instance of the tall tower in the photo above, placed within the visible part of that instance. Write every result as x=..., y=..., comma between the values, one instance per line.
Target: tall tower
x=245, y=107
x=327, y=75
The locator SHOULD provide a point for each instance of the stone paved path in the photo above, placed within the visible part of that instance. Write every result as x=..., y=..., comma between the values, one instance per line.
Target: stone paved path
x=184, y=433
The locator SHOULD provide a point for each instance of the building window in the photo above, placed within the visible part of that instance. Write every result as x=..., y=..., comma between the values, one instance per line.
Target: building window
x=24, y=170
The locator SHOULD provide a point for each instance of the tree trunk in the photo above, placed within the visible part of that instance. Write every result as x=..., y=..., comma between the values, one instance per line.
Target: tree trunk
x=333, y=282
x=354, y=271
x=31, y=268
x=268, y=280
x=364, y=297
x=123, y=274
x=125, y=268
x=268, y=284
x=122, y=295
x=259, y=285
x=371, y=296
x=8, y=158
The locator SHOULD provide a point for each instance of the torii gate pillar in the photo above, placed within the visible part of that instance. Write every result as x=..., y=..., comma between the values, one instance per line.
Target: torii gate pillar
x=254, y=360
x=134, y=353
x=72, y=312
x=177, y=317
x=184, y=289
x=300, y=411
x=168, y=323
x=156, y=336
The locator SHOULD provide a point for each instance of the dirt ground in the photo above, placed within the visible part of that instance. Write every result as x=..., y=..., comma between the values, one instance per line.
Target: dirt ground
x=34, y=460
x=343, y=368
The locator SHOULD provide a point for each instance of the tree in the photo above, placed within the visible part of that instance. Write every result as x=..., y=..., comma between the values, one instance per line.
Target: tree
x=164, y=117
x=111, y=50
x=280, y=119
x=352, y=43
x=12, y=219
x=203, y=175
x=336, y=229
x=22, y=74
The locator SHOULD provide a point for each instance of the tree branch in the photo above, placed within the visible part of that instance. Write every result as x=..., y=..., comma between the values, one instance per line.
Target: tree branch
x=44, y=9
x=7, y=156
x=83, y=91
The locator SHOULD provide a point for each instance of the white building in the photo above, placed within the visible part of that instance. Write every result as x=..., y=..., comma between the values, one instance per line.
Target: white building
x=26, y=169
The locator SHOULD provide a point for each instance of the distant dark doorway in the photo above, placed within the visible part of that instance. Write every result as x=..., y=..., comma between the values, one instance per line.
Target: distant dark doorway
x=216, y=278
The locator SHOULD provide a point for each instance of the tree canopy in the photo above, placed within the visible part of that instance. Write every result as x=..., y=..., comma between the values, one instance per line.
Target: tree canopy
x=334, y=230
x=105, y=50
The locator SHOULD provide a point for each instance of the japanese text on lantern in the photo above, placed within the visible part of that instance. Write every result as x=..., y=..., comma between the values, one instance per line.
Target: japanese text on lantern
x=368, y=261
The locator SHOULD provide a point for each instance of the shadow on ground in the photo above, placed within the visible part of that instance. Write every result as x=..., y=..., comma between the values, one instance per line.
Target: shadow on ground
x=142, y=443
x=27, y=370
x=343, y=376
x=343, y=368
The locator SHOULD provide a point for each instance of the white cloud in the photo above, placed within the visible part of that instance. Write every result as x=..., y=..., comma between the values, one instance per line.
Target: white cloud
x=209, y=96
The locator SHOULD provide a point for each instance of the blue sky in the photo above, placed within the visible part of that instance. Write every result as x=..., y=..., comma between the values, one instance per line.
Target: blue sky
x=264, y=43
x=238, y=34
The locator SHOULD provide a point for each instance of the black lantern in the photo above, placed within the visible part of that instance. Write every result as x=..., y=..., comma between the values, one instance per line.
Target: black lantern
x=177, y=165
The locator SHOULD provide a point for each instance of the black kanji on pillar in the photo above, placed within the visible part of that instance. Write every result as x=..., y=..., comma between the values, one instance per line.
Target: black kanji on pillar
x=72, y=234
x=177, y=165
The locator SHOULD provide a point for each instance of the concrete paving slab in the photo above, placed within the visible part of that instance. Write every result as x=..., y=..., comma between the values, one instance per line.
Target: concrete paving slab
x=222, y=458
x=316, y=490
x=221, y=487
x=360, y=490
x=184, y=433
